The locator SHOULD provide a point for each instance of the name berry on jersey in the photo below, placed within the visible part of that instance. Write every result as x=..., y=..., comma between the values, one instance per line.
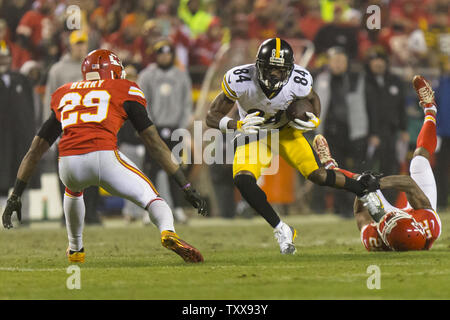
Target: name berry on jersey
x=241, y=84
x=87, y=84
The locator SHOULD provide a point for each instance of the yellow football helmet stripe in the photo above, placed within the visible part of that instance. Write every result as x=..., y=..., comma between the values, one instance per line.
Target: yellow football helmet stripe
x=277, y=47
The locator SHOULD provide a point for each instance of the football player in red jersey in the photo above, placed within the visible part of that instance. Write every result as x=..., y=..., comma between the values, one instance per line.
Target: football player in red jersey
x=384, y=227
x=89, y=114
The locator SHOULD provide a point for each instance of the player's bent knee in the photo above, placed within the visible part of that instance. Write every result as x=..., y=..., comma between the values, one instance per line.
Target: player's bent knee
x=73, y=194
x=244, y=179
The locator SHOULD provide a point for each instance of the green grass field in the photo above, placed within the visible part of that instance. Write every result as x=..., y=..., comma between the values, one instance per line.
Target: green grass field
x=242, y=261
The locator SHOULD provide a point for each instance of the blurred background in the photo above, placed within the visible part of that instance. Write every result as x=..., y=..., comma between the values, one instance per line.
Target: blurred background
x=178, y=51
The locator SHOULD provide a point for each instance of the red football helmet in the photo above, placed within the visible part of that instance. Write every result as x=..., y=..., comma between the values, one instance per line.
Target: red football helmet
x=102, y=64
x=401, y=232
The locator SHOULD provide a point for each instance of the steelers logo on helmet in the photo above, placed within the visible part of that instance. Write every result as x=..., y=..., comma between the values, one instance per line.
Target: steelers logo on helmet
x=274, y=63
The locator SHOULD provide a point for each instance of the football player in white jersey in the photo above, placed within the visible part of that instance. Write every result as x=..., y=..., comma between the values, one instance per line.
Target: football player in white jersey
x=263, y=91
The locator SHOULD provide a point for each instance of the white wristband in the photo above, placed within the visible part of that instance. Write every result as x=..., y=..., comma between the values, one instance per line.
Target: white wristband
x=223, y=124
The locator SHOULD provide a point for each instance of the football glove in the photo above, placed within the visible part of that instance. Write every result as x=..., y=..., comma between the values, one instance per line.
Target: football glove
x=304, y=126
x=12, y=205
x=370, y=181
x=374, y=205
x=251, y=123
x=194, y=198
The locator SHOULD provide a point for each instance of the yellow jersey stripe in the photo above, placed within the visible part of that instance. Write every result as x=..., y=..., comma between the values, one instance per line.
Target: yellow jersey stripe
x=226, y=93
x=231, y=91
x=277, y=47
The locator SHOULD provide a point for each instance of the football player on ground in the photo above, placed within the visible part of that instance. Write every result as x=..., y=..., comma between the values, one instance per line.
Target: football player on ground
x=263, y=91
x=89, y=114
x=384, y=227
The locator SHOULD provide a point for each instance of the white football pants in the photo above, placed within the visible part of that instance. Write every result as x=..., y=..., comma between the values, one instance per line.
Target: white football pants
x=115, y=173
x=110, y=170
x=421, y=172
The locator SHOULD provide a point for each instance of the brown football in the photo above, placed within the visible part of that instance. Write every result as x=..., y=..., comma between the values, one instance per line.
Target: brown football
x=298, y=108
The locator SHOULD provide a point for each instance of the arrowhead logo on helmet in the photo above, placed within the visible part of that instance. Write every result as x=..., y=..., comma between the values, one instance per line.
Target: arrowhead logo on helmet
x=102, y=64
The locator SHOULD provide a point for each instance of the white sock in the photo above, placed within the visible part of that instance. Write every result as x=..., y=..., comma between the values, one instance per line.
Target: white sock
x=161, y=215
x=432, y=108
x=74, y=211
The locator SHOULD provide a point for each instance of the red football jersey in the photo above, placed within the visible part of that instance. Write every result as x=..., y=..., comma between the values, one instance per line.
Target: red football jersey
x=371, y=239
x=91, y=113
x=428, y=219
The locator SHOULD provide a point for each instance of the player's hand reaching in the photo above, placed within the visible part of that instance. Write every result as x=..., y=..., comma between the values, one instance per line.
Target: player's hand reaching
x=370, y=181
x=12, y=205
x=194, y=198
x=251, y=123
x=304, y=126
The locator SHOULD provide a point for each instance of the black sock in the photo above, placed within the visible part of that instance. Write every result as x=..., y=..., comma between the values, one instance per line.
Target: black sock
x=256, y=198
x=354, y=186
x=350, y=184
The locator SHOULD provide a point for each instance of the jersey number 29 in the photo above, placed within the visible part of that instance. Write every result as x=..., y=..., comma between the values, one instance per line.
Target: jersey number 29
x=95, y=98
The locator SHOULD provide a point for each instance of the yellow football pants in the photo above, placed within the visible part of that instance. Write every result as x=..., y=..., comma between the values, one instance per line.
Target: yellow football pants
x=256, y=156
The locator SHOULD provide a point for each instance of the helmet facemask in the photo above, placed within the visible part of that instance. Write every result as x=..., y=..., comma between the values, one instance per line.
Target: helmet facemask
x=268, y=79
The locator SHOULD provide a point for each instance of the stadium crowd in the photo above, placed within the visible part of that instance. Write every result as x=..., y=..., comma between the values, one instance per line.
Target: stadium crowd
x=363, y=76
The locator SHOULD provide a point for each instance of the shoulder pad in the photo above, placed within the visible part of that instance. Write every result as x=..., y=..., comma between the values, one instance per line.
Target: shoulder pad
x=237, y=80
x=300, y=82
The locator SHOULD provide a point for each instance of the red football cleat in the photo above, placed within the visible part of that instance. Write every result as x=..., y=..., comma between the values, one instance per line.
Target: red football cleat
x=424, y=91
x=172, y=241
x=320, y=146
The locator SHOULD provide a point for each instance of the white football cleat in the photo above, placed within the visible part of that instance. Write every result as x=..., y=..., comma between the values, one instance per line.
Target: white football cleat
x=285, y=236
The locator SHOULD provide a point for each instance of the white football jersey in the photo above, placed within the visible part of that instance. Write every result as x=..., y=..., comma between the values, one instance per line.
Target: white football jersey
x=241, y=84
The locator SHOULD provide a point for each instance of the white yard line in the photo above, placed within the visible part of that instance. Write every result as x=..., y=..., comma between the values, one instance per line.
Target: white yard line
x=31, y=269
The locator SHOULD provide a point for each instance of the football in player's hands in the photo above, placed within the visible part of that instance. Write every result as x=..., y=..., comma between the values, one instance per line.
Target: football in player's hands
x=298, y=108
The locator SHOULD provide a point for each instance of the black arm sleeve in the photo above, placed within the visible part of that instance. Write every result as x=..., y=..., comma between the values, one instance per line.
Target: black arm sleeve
x=51, y=129
x=137, y=114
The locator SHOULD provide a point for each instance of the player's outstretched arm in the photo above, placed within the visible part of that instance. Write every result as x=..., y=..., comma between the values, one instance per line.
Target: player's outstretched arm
x=38, y=147
x=416, y=197
x=158, y=149
x=162, y=154
x=46, y=136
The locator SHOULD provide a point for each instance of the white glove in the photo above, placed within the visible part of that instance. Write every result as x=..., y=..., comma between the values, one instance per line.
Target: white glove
x=250, y=124
x=304, y=126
